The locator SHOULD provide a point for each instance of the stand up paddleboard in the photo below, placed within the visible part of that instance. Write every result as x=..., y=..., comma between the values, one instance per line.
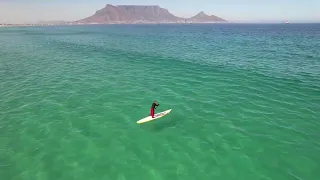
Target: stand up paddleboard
x=156, y=116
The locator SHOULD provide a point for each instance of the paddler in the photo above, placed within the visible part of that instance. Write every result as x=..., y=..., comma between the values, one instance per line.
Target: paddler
x=154, y=104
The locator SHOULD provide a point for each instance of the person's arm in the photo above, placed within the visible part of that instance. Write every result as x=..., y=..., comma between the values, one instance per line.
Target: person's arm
x=157, y=104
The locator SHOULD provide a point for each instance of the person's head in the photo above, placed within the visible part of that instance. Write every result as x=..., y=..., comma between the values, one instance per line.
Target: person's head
x=154, y=101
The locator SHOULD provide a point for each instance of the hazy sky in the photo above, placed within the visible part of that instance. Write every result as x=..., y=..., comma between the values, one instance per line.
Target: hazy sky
x=21, y=11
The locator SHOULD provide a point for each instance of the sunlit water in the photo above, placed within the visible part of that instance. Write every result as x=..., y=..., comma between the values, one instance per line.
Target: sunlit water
x=245, y=102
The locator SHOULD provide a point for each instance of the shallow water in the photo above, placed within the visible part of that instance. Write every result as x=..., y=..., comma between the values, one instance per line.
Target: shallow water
x=245, y=102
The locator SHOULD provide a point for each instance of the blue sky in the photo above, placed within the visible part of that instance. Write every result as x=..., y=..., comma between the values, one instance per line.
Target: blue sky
x=21, y=11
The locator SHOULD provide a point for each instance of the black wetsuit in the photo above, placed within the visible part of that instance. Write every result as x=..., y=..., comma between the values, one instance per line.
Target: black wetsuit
x=154, y=105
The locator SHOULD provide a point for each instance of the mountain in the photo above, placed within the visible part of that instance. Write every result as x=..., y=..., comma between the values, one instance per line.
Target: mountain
x=140, y=13
x=202, y=17
x=130, y=13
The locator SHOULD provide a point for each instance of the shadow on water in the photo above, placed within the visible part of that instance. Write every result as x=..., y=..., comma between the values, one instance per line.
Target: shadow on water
x=162, y=123
x=166, y=124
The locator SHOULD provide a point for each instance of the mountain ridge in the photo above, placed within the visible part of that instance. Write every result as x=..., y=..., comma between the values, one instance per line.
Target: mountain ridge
x=143, y=13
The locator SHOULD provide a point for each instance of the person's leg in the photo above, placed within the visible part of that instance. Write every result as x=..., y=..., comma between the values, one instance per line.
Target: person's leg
x=152, y=113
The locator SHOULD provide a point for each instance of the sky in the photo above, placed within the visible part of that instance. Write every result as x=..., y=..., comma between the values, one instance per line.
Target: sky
x=29, y=11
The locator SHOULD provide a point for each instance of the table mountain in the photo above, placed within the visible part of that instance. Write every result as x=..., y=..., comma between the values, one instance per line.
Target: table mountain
x=130, y=13
x=139, y=13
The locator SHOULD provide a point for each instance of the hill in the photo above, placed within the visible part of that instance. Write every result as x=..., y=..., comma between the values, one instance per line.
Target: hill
x=202, y=17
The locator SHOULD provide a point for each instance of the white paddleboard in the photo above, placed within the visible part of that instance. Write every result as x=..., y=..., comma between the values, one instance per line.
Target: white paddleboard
x=156, y=116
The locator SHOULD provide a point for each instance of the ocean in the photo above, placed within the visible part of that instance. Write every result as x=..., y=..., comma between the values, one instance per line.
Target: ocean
x=245, y=102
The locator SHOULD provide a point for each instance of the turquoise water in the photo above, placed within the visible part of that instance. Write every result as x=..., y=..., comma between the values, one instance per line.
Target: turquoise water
x=245, y=102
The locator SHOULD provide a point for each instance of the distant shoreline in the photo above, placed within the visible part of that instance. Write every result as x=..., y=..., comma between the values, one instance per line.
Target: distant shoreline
x=113, y=23
x=155, y=23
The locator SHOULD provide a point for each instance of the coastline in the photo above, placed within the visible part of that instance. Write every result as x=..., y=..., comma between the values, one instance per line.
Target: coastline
x=139, y=23
x=109, y=23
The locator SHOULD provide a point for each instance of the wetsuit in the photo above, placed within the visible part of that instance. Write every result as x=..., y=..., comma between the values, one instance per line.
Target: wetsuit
x=152, y=109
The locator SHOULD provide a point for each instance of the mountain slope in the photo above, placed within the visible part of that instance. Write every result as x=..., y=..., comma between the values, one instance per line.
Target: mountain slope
x=130, y=13
x=202, y=17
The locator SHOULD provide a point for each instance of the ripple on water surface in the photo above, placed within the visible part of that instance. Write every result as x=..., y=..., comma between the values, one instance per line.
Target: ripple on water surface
x=244, y=105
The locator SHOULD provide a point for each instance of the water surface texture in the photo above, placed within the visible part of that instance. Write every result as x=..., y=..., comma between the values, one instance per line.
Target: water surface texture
x=245, y=102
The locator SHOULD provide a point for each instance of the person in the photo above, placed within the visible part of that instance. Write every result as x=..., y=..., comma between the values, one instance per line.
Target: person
x=154, y=104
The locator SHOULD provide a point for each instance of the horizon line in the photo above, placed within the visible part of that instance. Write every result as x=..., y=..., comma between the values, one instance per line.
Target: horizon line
x=66, y=23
